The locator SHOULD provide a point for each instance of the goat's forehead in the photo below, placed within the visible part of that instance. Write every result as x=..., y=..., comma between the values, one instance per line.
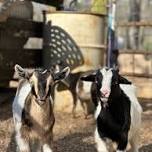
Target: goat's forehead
x=41, y=75
x=106, y=72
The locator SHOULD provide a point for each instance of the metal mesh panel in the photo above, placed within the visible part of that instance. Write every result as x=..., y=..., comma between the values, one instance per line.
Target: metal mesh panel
x=59, y=47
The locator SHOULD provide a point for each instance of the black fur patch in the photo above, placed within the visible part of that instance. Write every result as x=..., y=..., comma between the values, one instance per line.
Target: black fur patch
x=114, y=121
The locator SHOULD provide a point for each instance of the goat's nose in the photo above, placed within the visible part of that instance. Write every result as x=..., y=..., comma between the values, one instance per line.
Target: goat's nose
x=105, y=93
x=42, y=99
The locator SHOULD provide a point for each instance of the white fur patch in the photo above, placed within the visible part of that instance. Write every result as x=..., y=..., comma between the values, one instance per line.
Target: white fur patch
x=19, y=101
x=106, y=80
x=101, y=145
x=98, y=110
x=22, y=144
x=87, y=86
x=135, y=110
x=46, y=148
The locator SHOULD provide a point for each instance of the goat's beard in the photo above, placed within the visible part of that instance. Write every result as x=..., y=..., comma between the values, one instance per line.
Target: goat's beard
x=40, y=103
x=104, y=101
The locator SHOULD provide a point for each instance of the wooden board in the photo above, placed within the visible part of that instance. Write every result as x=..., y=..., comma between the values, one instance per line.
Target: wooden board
x=29, y=28
x=55, y=3
x=24, y=57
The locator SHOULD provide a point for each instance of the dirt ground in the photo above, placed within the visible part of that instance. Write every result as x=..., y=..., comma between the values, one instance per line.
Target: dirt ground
x=70, y=135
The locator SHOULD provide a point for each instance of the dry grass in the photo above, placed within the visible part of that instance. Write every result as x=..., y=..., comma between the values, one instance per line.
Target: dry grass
x=71, y=135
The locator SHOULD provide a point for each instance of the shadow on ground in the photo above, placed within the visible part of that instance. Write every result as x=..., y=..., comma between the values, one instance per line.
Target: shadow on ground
x=11, y=146
x=76, y=142
x=146, y=148
x=146, y=104
x=6, y=100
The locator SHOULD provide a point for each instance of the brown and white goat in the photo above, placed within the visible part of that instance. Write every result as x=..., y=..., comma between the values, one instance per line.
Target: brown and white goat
x=33, y=108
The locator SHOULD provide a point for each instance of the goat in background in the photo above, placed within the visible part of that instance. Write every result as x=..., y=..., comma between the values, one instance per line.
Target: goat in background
x=79, y=90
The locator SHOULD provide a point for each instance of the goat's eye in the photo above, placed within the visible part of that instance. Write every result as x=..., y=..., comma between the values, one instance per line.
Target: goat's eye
x=115, y=83
x=32, y=83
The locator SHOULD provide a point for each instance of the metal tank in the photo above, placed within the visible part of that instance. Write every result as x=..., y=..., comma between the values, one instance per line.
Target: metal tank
x=87, y=30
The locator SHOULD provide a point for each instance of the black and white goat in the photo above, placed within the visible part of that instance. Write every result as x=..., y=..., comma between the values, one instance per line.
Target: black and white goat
x=118, y=113
x=33, y=108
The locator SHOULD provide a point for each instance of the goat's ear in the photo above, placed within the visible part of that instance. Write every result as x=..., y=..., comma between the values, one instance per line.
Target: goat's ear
x=22, y=73
x=116, y=68
x=62, y=74
x=89, y=77
x=123, y=80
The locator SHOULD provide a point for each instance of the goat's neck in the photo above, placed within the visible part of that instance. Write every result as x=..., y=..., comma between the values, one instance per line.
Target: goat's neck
x=115, y=93
x=40, y=114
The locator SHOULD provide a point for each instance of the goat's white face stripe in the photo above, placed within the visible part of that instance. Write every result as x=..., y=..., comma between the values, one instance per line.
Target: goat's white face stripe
x=34, y=80
x=106, y=80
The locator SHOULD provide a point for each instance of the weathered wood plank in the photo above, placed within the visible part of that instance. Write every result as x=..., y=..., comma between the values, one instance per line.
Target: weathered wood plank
x=55, y=3
x=129, y=24
x=139, y=75
x=24, y=57
x=129, y=51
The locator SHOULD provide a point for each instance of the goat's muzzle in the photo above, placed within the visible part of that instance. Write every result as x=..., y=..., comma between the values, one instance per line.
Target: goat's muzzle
x=41, y=101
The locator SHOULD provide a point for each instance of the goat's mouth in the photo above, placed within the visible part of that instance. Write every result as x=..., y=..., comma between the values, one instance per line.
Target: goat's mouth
x=40, y=102
x=104, y=99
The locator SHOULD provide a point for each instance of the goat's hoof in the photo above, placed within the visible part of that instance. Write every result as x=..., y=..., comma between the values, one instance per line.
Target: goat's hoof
x=75, y=116
x=85, y=116
x=88, y=116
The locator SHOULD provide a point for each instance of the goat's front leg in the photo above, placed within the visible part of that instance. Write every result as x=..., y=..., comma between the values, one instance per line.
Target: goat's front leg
x=122, y=144
x=84, y=109
x=74, y=96
x=134, y=142
x=47, y=143
x=21, y=141
x=101, y=144
x=47, y=148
